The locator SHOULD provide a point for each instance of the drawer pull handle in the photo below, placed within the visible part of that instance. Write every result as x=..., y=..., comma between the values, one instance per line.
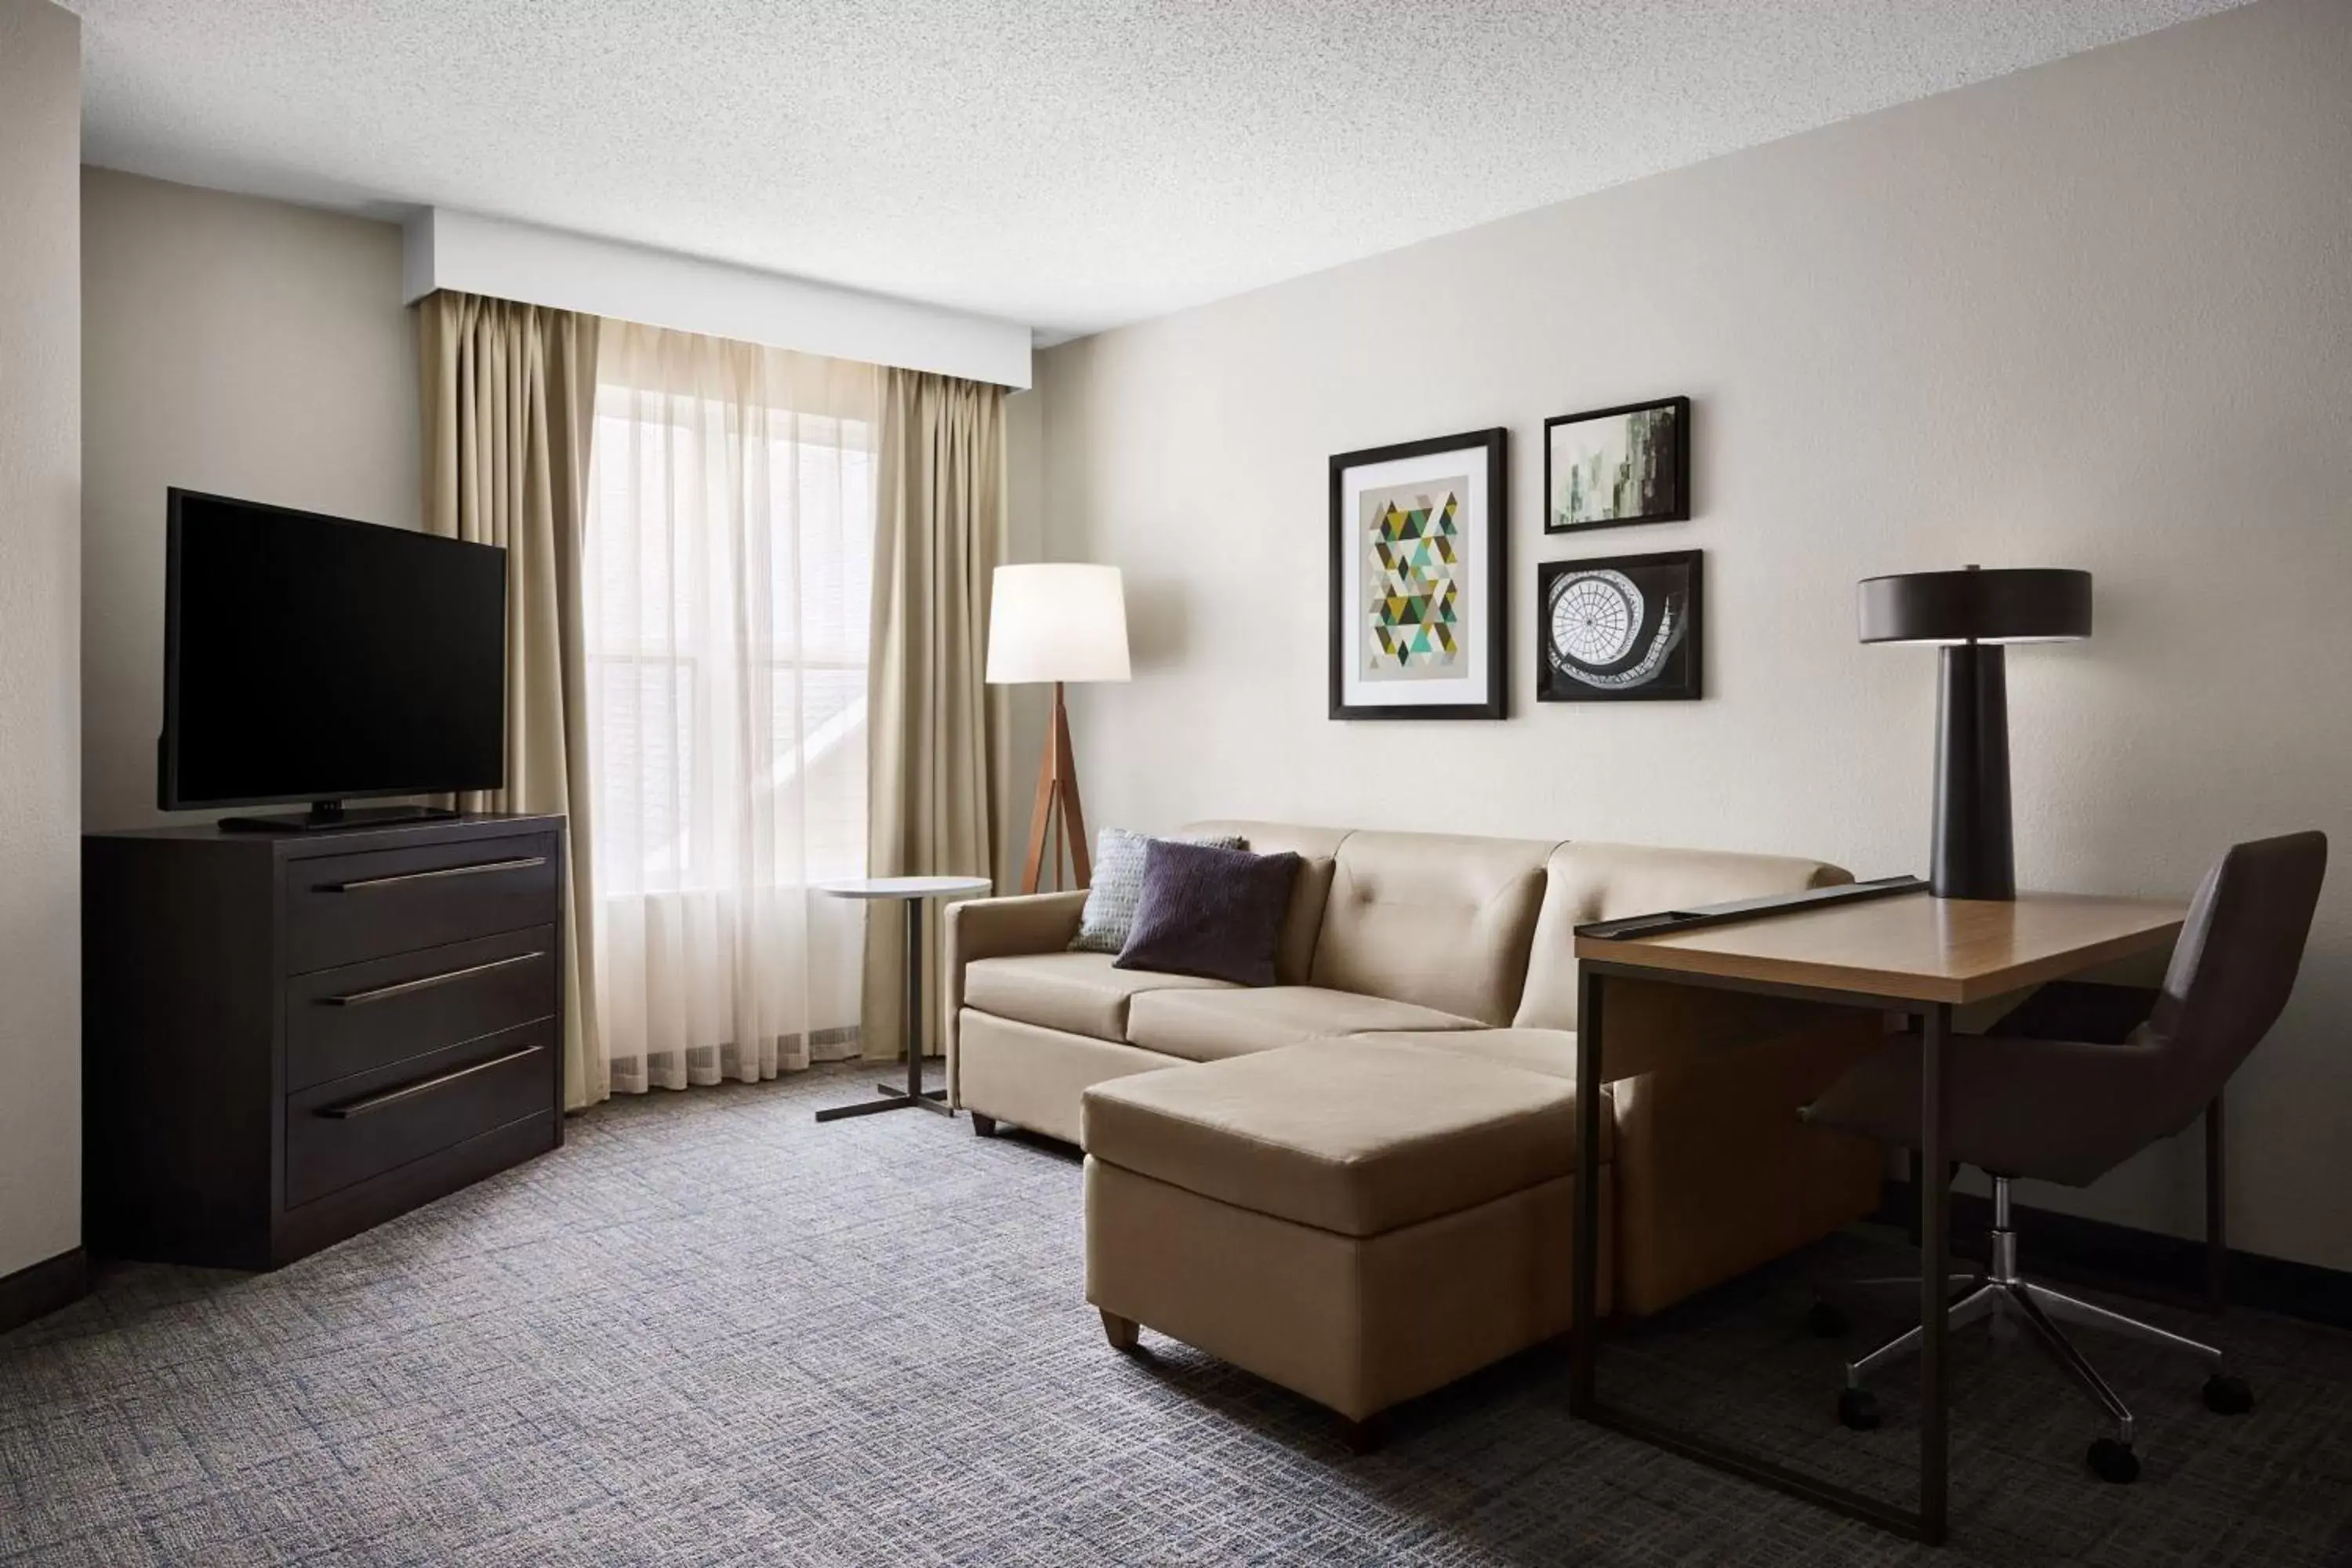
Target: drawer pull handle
x=480, y=869
x=395, y=1096
x=423, y=983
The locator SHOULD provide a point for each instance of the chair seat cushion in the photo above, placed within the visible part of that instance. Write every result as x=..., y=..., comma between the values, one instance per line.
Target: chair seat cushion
x=1210, y=1025
x=1358, y=1137
x=2058, y=1110
x=1077, y=991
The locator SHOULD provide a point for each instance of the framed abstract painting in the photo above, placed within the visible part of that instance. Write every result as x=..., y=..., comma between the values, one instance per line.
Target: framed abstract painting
x=1621, y=629
x=1616, y=466
x=1420, y=580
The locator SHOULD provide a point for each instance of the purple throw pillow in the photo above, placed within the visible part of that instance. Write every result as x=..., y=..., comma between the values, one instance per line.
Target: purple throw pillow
x=1216, y=913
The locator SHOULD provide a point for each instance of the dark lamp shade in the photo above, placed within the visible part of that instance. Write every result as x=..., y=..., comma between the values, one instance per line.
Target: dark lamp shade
x=2032, y=604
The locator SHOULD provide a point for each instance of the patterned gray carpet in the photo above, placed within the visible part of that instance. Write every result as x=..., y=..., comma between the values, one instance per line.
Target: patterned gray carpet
x=708, y=1332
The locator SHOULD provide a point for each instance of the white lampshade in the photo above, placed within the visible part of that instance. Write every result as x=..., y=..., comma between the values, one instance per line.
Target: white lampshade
x=1056, y=622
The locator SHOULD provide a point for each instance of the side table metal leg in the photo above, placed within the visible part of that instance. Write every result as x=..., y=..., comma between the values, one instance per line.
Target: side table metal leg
x=936, y=1099
x=914, y=999
x=894, y=1096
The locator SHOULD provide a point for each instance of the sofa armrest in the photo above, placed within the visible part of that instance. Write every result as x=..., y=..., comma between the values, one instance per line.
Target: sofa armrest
x=1002, y=927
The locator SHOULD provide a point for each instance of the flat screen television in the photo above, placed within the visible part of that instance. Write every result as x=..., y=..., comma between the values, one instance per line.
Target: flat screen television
x=314, y=658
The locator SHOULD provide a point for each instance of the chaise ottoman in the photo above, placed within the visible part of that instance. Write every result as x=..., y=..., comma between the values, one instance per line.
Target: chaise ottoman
x=1357, y=1220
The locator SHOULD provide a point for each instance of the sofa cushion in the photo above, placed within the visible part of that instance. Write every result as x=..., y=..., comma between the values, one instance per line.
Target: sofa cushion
x=1354, y=1136
x=1206, y=1025
x=1269, y=838
x=1076, y=992
x=1116, y=882
x=1588, y=882
x=1433, y=919
x=1293, y=962
x=1206, y=911
x=1549, y=1051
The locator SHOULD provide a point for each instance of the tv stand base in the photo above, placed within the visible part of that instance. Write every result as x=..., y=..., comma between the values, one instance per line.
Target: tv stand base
x=328, y=814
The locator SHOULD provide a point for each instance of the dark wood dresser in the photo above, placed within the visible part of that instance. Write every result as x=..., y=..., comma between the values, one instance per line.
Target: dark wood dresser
x=290, y=1038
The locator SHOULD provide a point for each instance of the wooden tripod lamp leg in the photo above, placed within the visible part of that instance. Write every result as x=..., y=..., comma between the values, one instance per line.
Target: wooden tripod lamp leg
x=1041, y=823
x=1074, y=816
x=1056, y=818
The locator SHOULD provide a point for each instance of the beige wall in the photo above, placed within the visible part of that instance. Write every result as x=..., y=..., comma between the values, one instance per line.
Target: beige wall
x=230, y=344
x=40, y=524
x=2097, y=314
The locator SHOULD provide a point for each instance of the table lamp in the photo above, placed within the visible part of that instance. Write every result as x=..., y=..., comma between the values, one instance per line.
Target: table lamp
x=1973, y=613
x=1057, y=622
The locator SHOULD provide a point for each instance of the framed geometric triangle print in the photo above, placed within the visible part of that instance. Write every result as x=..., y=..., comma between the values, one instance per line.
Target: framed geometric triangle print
x=1420, y=579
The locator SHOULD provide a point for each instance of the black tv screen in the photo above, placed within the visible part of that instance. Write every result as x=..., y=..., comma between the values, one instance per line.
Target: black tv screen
x=312, y=659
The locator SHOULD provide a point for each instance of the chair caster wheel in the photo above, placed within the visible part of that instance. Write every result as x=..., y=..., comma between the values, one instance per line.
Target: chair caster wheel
x=2228, y=1396
x=2114, y=1462
x=1826, y=1321
x=1857, y=1410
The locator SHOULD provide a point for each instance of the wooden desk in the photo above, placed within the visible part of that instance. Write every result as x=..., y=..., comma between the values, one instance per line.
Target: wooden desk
x=1912, y=953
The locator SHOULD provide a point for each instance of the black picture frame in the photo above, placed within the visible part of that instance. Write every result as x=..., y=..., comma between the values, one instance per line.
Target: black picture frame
x=1487, y=447
x=1676, y=508
x=1657, y=578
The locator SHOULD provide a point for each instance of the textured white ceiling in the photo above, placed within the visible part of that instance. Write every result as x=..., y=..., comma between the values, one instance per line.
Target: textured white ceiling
x=1068, y=163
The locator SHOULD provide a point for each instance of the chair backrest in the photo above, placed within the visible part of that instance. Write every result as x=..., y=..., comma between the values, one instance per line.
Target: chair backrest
x=2235, y=962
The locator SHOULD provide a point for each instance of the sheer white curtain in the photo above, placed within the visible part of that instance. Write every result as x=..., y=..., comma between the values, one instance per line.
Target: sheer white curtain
x=730, y=547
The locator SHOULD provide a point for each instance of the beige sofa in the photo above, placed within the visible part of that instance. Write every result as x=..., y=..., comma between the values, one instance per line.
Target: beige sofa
x=1358, y=1182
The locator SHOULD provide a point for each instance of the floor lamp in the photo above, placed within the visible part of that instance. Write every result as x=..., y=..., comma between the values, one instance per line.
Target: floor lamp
x=1056, y=623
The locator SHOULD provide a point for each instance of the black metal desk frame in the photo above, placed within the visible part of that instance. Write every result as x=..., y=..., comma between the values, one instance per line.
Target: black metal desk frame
x=1927, y=1523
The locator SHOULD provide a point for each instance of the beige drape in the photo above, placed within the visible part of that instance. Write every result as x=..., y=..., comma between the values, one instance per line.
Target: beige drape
x=940, y=531
x=509, y=394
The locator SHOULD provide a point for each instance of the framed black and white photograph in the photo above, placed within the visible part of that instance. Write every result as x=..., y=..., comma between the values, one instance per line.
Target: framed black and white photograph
x=1419, y=580
x=1623, y=629
x=1618, y=466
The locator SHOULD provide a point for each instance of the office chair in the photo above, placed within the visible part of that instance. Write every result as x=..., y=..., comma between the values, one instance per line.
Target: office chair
x=2070, y=1109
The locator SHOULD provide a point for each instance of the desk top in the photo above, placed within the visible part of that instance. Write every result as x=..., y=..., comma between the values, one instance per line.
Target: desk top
x=1914, y=946
x=904, y=887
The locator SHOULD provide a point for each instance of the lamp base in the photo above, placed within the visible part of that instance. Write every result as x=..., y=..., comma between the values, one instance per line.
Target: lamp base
x=1056, y=818
x=1973, y=856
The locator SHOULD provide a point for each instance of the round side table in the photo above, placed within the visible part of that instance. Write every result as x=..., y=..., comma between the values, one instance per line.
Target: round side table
x=910, y=891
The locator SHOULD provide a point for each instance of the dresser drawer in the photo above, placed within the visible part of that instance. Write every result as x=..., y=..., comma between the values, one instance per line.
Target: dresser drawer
x=344, y=1132
x=340, y=909
x=362, y=1015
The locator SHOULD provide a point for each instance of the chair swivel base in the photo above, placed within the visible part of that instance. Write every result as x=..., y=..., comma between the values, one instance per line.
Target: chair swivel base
x=2002, y=1293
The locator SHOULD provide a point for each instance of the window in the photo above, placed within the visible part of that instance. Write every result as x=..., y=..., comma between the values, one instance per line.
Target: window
x=726, y=579
x=705, y=595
